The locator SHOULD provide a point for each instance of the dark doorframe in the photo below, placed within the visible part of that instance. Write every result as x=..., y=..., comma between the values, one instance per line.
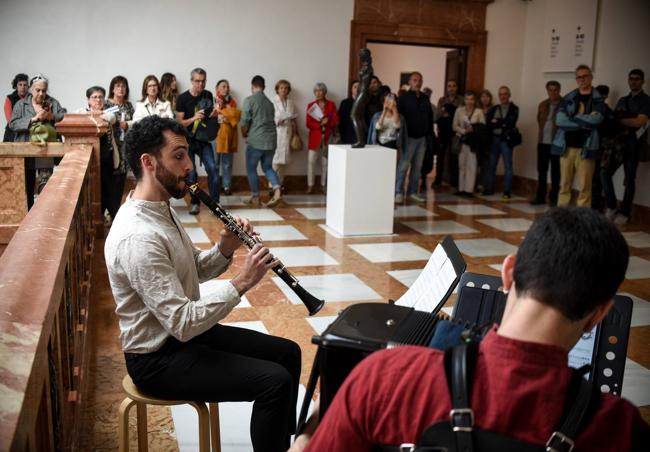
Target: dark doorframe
x=474, y=43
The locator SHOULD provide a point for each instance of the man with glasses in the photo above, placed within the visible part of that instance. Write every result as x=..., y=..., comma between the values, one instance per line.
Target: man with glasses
x=576, y=140
x=633, y=111
x=193, y=107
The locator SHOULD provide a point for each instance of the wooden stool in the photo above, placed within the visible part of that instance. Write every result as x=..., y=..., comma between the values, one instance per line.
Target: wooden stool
x=208, y=420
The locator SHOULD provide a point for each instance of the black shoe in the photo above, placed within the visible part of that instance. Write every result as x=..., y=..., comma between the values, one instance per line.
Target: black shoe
x=537, y=202
x=194, y=210
x=487, y=193
x=226, y=191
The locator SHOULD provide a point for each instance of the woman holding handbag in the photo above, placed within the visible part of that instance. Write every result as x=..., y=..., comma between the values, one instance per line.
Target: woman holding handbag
x=321, y=121
x=285, y=122
x=33, y=119
x=464, y=123
x=228, y=116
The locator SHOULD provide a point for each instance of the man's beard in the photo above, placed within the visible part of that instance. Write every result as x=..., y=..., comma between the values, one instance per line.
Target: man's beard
x=170, y=182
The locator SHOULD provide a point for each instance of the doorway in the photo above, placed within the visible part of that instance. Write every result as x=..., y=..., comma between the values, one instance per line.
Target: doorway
x=394, y=63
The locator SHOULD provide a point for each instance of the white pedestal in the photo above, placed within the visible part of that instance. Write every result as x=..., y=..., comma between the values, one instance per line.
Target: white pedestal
x=360, y=190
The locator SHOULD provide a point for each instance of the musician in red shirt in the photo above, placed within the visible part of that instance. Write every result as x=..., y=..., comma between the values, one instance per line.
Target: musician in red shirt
x=561, y=284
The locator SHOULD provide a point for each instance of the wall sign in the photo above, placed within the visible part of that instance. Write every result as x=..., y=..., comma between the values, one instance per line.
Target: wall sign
x=569, y=34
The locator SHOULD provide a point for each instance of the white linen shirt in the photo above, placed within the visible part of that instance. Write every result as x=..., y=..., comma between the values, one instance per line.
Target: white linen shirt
x=155, y=271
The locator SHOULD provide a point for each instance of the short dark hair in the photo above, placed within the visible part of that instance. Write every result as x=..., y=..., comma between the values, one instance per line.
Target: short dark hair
x=19, y=78
x=638, y=72
x=258, y=81
x=572, y=259
x=146, y=137
x=198, y=70
x=94, y=89
x=114, y=81
x=553, y=83
x=603, y=90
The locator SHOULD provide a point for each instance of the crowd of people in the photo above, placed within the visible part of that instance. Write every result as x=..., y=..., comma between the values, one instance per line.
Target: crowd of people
x=580, y=136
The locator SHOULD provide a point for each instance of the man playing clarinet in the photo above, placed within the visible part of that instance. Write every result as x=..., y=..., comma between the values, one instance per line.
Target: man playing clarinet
x=173, y=345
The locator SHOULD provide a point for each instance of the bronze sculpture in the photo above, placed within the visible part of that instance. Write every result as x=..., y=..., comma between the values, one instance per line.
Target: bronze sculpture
x=359, y=106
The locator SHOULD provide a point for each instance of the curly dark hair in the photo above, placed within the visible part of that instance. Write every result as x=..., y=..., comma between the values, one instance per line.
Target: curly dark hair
x=146, y=137
x=19, y=78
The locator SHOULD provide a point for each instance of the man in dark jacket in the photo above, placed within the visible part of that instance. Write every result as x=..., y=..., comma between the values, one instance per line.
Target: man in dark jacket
x=546, y=112
x=501, y=119
x=416, y=108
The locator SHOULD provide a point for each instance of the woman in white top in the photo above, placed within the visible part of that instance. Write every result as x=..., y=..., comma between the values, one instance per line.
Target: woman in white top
x=285, y=122
x=151, y=102
x=464, y=118
x=387, y=126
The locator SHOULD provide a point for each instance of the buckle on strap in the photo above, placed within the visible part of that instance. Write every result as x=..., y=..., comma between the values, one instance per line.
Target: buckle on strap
x=559, y=442
x=465, y=417
x=407, y=447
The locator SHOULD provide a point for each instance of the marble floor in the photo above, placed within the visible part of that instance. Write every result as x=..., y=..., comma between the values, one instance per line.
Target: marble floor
x=342, y=271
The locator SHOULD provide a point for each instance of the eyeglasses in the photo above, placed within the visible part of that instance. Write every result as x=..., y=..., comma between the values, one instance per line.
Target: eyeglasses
x=583, y=77
x=96, y=97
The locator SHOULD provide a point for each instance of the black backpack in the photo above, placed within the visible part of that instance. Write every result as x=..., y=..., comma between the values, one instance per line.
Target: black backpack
x=460, y=435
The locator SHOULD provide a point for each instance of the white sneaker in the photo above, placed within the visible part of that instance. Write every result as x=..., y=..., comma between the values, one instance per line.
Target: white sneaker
x=416, y=198
x=621, y=219
x=610, y=214
x=399, y=198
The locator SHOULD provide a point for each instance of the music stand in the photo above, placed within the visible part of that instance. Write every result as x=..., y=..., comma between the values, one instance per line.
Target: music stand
x=481, y=306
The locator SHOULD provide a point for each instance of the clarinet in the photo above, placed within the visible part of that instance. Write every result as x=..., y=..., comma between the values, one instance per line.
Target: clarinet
x=312, y=303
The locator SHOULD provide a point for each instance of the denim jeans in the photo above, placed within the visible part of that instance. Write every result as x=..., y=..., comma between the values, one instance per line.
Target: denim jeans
x=264, y=156
x=500, y=148
x=412, y=156
x=630, y=164
x=224, y=162
x=206, y=155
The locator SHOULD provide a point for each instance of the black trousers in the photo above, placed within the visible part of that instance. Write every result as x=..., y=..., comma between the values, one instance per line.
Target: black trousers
x=229, y=364
x=544, y=159
x=112, y=184
x=630, y=164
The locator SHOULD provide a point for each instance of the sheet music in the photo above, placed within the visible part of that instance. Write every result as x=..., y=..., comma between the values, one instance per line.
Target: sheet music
x=433, y=283
x=315, y=112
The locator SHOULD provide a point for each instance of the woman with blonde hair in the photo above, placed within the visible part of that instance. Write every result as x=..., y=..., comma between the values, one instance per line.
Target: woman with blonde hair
x=169, y=89
x=225, y=144
x=285, y=123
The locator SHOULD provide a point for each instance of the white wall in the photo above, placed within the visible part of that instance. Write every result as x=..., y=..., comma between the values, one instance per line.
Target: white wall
x=514, y=57
x=389, y=60
x=80, y=43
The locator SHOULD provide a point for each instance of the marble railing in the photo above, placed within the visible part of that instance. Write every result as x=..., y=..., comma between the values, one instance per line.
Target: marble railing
x=45, y=285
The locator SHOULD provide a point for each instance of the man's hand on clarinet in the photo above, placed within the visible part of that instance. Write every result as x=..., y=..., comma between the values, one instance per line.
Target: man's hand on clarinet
x=258, y=261
x=229, y=241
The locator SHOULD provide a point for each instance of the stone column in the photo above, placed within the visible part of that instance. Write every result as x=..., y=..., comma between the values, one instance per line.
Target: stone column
x=84, y=128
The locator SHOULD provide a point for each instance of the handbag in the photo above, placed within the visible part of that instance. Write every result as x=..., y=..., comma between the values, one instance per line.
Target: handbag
x=42, y=132
x=296, y=143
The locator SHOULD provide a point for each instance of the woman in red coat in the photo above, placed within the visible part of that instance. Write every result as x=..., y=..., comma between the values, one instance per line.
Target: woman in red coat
x=321, y=120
